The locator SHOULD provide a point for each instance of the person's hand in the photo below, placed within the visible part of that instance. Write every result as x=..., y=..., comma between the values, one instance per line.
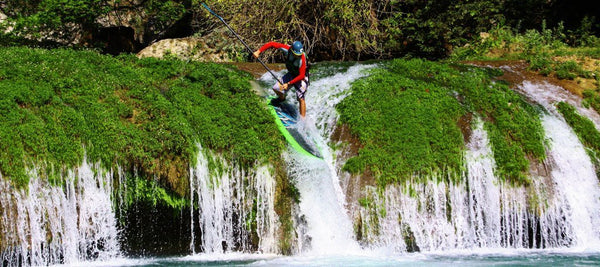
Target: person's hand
x=284, y=86
x=256, y=53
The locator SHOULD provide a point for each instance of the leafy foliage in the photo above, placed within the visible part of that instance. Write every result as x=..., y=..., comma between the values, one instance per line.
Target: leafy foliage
x=592, y=98
x=62, y=19
x=140, y=190
x=75, y=22
x=406, y=116
x=61, y=105
x=331, y=29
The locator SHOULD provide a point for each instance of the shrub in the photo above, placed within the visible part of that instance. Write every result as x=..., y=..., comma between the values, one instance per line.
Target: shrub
x=541, y=63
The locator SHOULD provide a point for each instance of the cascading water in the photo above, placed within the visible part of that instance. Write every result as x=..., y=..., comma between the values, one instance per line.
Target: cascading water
x=484, y=194
x=322, y=203
x=46, y=224
x=572, y=171
x=558, y=210
x=229, y=200
x=481, y=212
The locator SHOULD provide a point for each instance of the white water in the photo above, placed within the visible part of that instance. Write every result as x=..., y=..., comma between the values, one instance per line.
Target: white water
x=576, y=183
x=59, y=224
x=485, y=213
x=572, y=171
x=322, y=204
x=225, y=202
x=489, y=214
x=548, y=95
x=481, y=212
x=484, y=194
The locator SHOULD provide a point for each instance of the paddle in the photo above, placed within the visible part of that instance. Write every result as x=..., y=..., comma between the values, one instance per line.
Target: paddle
x=240, y=38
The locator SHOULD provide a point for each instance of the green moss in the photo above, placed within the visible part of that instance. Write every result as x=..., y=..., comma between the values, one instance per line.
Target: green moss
x=592, y=98
x=145, y=191
x=365, y=202
x=567, y=70
x=584, y=128
x=366, y=226
x=61, y=105
x=406, y=116
x=406, y=125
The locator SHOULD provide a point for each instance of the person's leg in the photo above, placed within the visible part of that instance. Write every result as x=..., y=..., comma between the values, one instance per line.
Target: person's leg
x=301, y=88
x=302, y=107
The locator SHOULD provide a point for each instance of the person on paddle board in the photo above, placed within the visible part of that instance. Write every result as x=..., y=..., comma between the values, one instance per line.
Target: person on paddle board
x=295, y=62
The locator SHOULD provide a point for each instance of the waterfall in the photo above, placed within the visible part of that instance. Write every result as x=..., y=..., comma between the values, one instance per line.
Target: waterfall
x=559, y=209
x=229, y=200
x=547, y=94
x=233, y=208
x=484, y=192
x=48, y=224
x=328, y=228
x=572, y=172
x=576, y=183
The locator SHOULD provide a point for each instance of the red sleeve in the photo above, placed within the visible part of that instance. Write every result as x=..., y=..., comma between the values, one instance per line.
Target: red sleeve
x=273, y=45
x=302, y=73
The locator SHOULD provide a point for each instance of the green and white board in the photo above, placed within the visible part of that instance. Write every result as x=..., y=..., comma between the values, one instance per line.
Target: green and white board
x=287, y=119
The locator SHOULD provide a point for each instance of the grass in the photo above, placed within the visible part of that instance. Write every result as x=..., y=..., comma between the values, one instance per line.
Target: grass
x=407, y=116
x=61, y=106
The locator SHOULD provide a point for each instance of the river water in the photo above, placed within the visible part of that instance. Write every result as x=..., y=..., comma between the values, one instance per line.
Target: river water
x=373, y=258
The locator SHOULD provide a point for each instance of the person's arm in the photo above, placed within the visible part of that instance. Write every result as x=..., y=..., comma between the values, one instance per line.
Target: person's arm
x=270, y=45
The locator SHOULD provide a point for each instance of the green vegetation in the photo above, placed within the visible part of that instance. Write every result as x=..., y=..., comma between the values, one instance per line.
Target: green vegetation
x=504, y=42
x=407, y=116
x=584, y=128
x=539, y=48
x=59, y=106
x=547, y=51
x=140, y=190
x=592, y=98
x=333, y=29
x=75, y=21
